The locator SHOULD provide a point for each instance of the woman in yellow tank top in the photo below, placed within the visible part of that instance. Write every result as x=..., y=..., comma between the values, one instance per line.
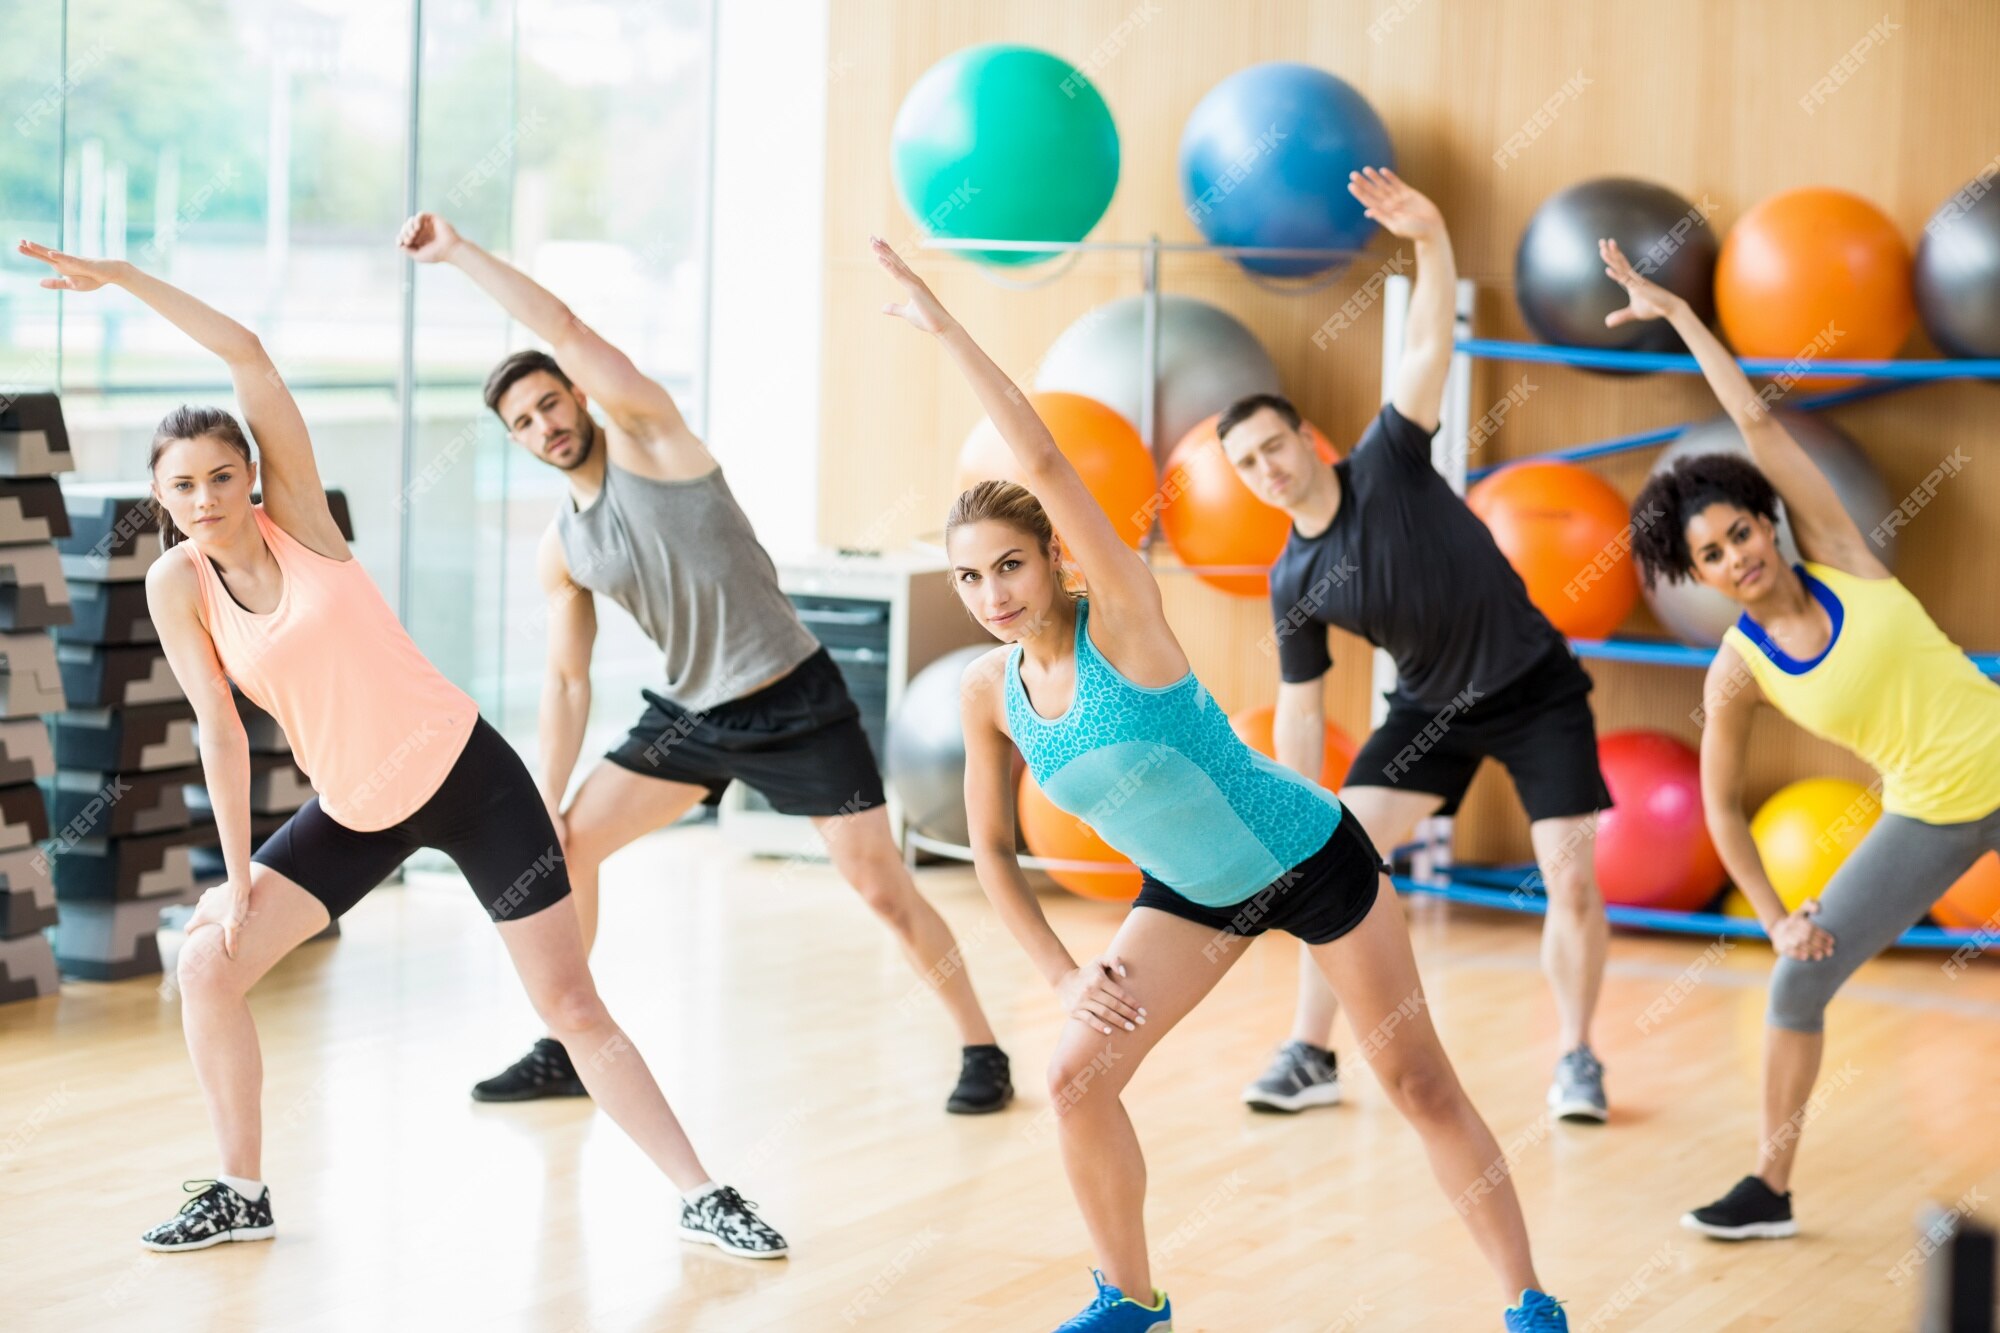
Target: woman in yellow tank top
x=269, y=596
x=1842, y=648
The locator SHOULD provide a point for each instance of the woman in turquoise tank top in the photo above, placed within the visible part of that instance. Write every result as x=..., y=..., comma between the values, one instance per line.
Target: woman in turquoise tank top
x=1099, y=697
x=1838, y=645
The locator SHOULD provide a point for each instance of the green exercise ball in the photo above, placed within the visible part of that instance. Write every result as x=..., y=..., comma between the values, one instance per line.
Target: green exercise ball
x=1007, y=143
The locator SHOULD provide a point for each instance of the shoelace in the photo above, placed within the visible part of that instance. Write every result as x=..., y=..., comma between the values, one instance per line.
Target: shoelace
x=729, y=1201
x=1542, y=1307
x=201, y=1189
x=1107, y=1296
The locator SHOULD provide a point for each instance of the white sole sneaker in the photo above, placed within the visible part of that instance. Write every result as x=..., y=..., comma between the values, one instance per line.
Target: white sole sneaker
x=1319, y=1094
x=1748, y=1231
x=710, y=1238
x=219, y=1238
x=1579, y=1110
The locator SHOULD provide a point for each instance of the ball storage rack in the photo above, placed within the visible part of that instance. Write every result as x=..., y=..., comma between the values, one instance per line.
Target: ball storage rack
x=1506, y=888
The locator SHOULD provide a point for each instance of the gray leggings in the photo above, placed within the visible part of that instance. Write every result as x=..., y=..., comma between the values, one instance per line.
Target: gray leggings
x=1882, y=889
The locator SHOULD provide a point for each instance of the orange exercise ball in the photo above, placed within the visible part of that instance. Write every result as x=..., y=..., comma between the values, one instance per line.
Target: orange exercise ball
x=1099, y=443
x=1254, y=726
x=1806, y=260
x=1564, y=529
x=1053, y=832
x=1212, y=518
x=1973, y=903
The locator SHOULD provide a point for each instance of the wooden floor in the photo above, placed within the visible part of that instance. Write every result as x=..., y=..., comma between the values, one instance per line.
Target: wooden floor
x=788, y=1034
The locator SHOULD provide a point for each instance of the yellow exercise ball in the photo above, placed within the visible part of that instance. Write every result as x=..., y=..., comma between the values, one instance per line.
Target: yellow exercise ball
x=1803, y=833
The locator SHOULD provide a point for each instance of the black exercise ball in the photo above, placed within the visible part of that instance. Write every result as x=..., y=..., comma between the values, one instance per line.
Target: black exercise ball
x=1559, y=279
x=1958, y=273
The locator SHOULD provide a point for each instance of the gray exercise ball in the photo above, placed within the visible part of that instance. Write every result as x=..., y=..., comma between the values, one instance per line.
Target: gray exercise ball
x=1208, y=360
x=1958, y=275
x=926, y=760
x=1696, y=614
x=1559, y=279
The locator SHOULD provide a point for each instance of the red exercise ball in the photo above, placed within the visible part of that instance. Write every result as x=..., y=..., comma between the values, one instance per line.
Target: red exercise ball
x=1566, y=532
x=1212, y=518
x=1819, y=274
x=1653, y=848
x=1254, y=726
x=1113, y=461
x=1053, y=832
x=1973, y=903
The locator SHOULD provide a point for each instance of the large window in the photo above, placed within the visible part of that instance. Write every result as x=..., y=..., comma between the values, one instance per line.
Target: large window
x=258, y=153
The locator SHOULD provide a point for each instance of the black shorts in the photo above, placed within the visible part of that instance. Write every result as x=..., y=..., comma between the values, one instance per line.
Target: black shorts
x=487, y=817
x=1539, y=727
x=797, y=740
x=1319, y=899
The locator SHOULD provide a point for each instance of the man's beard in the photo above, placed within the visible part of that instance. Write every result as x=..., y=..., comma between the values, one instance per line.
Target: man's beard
x=586, y=435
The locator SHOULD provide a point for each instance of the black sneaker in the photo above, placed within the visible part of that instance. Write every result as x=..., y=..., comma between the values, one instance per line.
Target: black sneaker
x=545, y=1071
x=985, y=1082
x=215, y=1215
x=725, y=1219
x=1750, y=1211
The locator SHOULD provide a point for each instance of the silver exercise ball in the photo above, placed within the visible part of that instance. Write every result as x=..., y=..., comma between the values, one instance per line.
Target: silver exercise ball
x=1696, y=614
x=926, y=760
x=1208, y=360
x=1559, y=279
x=1958, y=274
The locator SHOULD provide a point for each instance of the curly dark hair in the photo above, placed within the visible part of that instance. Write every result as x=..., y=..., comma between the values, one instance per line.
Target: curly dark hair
x=1678, y=494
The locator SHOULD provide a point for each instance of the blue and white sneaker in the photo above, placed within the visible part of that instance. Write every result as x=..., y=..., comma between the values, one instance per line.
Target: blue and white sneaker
x=1538, y=1312
x=1115, y=1312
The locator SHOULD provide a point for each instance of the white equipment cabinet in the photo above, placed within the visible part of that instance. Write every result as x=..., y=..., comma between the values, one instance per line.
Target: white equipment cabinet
x=883, y=618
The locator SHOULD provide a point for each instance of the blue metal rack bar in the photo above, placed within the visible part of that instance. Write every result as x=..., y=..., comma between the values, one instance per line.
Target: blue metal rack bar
x=1475, y=886
x=1592, y=358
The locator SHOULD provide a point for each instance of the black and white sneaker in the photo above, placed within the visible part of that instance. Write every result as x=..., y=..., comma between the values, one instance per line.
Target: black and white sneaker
x=725, y=1219
x=545, y=1071
x=985, y=1082
x=215, y=1215
x=1750, y=1211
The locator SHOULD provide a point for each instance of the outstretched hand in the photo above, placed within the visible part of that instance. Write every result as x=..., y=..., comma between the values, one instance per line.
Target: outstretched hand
x=920, y=305
x=1649, y=300
x=76, y=274
x=1399, y=208
x=427, y=238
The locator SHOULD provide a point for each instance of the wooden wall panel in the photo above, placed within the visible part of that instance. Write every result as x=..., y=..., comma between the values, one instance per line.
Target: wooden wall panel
x=1703, y=97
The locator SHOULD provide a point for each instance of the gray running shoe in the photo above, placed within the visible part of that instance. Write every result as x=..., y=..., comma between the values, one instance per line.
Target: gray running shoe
x=1578, y=1090
x=1301, y=1076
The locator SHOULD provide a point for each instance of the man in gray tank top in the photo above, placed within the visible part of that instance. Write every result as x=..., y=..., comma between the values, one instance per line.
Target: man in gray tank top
x=747, y=694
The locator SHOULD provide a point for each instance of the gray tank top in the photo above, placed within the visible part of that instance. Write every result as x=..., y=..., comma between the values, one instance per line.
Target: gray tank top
x=681, y=557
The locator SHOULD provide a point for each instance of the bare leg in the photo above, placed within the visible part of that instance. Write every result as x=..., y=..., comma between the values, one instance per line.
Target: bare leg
x=1388, y=815
x=1171, y=963
x=215, y=1010
x=548, y=952
x=866, y=856
x=614, y=807
x=1575, y=935
x=1791, y=1067
x=1375, y=974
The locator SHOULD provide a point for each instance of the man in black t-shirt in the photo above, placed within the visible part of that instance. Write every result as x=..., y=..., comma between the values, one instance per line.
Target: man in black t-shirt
x=1382, y=547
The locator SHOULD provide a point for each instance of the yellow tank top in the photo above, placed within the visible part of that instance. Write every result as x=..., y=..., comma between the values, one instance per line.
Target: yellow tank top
x=1894, y=690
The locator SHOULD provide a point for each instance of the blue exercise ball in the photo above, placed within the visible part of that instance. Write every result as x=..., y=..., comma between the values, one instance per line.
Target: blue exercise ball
x=1265, y=158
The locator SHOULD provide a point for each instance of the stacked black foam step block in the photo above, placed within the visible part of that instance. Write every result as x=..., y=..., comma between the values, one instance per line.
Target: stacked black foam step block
x=134, y=833
x=125, y=749
x=34, y=598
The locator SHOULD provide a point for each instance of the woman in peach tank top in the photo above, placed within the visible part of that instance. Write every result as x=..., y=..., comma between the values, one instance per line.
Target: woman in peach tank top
x=269, y=596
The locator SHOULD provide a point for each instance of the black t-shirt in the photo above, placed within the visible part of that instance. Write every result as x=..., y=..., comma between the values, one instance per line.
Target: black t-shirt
x=1408, y=567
